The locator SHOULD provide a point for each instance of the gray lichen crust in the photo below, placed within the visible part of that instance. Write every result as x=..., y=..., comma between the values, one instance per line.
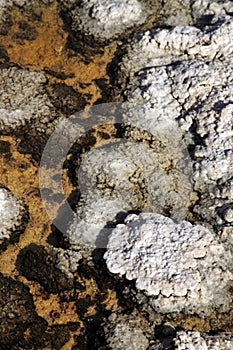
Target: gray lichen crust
x=181, y=267
x=189, y=12
x=107, y=19
x=185, y=74
x=23, y=100
x=211, y=7
x=129, y=176
x=159, y=46
x=126, y=332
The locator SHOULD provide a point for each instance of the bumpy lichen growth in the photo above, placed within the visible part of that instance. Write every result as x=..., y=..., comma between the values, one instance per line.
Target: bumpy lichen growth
x=107, y=19
x=24, y=99
x=197, y=341
x=12, y=217
x=185, y=74
x=181, y=267
x=137, y=172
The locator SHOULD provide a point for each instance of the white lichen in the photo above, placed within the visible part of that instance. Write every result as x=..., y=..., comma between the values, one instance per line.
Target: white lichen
x=11, y=211
x=158, y=47
x=190, y=340
x=129, y=176
x=185, y=74
x=126, y=332
x=211, y=7
x=106, y=19
x=196, y=341
x=181, y=267
x=67, y=261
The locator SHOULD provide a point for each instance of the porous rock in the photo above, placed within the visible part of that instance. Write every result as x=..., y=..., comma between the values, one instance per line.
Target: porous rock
x=181, y=267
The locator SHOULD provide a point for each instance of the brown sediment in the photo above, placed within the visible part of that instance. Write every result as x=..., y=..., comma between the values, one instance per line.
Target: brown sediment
x=194, y=323
x=111, y=301
x=50, y=307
